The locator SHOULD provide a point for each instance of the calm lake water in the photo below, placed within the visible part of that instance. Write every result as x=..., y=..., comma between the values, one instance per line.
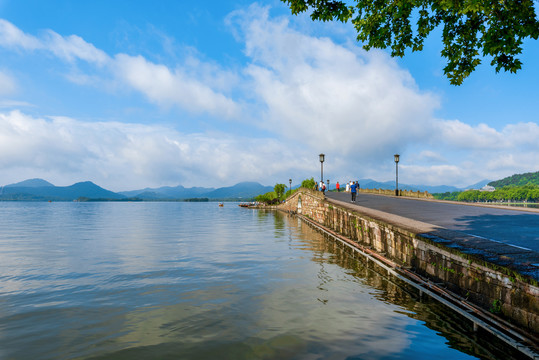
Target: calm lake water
x=196, y=281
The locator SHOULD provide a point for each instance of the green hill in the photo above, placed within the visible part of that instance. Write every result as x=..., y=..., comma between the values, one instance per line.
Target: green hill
x=41, y=191
x=517, y=180
x=244, y=190
x=32, y=183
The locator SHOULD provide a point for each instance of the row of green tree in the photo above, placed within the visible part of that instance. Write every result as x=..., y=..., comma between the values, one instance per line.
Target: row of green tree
x=280, y=193
x=526, y=193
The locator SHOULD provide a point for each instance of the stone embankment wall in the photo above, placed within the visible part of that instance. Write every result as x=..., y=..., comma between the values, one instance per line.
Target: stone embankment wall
x=407, y=193
x=492, y=287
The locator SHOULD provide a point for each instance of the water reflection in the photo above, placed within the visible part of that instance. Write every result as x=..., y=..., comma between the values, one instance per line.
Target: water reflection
x=525, y=205
x=458, y=331
x=195, y=281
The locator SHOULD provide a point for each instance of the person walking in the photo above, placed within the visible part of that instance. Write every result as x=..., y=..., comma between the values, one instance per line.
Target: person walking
x=338, y=187
x=347, y=187
x=353, y=190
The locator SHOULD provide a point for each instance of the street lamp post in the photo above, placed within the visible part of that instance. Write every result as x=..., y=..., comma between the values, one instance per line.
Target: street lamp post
x=290, y=181
x=396, y=174
x=322, y=156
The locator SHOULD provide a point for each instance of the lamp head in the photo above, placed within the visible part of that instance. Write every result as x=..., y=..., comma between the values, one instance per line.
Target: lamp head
x=322, y=156
x=396, y=157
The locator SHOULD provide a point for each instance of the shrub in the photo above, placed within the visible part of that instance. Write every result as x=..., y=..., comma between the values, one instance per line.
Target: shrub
x=308, y=183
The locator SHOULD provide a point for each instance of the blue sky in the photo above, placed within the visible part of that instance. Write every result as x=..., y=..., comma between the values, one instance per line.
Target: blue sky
x=130, y=94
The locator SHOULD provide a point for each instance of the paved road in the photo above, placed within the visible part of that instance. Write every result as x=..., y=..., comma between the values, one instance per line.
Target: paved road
x=512, y=227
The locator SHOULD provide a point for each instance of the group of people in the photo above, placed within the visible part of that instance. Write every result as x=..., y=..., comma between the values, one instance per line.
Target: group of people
x=352, y=187
x=320, y=187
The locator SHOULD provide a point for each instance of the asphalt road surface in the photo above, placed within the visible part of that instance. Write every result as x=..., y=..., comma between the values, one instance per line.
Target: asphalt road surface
x=513, y=227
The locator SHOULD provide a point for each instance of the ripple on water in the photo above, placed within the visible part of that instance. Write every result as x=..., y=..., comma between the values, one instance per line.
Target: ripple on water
x=192, y=280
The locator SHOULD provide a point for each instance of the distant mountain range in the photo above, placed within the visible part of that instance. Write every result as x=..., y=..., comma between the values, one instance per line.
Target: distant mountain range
x=243, y=190
x=167, y=192
x=42, y=190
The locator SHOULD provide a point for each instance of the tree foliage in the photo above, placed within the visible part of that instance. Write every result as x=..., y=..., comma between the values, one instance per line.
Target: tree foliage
x=308, y=183
x=453, y=196
x=470, y=28
x=278, y=194
x=269, y=198
x=526, y=193
x=279, y=189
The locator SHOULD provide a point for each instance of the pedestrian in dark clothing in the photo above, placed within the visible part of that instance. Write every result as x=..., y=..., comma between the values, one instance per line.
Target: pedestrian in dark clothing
x=353, y=190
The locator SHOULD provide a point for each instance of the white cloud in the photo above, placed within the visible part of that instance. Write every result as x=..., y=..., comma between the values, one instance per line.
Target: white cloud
x=331, y=97
x=74, y=47
x=431, y=156
x=464, y=136
x=128, y=156
x=11, y=36
x=523, y=135
x=67, y=48
x=481, y=139
x=314, y=95
x=14, y=104
x=473, y=153
x=434, y=175
x=194, y=86
x=166, y=87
